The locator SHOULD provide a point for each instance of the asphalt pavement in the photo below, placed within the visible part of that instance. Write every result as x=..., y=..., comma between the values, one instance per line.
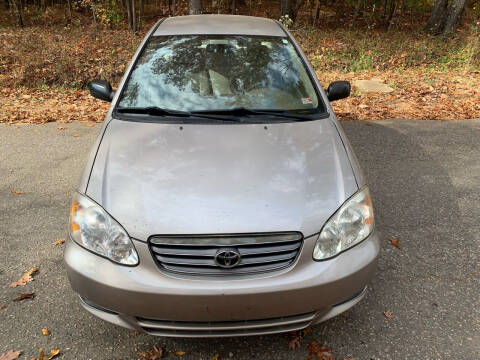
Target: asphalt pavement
x=425, y=181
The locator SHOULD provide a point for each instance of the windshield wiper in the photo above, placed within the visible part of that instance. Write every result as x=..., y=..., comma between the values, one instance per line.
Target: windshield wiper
x=152, y=110
x=242, y=111
x=157, y=111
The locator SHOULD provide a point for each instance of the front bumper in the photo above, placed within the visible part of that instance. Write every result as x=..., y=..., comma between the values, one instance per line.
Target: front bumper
x=146, y=299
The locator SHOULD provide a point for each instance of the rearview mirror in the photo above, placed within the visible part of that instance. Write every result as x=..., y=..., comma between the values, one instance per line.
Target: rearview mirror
x=338, y=90
x=101, y=89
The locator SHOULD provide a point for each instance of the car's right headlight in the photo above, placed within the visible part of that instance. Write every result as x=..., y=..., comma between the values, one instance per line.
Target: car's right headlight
x=350, y=224
x=94, y=229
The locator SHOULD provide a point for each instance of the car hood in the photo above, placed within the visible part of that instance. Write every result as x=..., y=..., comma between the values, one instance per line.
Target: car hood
x=157, y=178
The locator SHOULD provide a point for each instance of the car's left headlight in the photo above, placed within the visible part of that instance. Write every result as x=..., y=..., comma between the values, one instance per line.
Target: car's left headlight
x=350, y=224
x=94, y=229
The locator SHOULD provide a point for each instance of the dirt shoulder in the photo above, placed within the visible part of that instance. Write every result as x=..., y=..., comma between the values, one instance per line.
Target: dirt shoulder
x=44, y=71
x=416, y=95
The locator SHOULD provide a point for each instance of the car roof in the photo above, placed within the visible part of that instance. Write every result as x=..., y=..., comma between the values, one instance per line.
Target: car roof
x=219, y=25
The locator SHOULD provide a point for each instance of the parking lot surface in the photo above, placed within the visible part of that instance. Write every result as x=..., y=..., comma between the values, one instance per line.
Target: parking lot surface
x=424, y=177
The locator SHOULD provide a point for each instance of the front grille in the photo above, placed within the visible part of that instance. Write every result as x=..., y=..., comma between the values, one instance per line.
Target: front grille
x=195, y=255
x=225, y=328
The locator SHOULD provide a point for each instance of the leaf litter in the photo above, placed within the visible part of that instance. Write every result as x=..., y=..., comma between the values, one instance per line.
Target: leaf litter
x=26, y=278
x=155, y=353
x=296, y=337
x=42, y=356
x=58, y=242
x=322, y=353
x=395, y=243
x=451, y=97
x=388, y=314
x=11, y=355
x=24, y=296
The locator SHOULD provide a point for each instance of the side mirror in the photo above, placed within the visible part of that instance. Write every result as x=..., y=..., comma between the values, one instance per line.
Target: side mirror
x=101, y=89
x=338, y=90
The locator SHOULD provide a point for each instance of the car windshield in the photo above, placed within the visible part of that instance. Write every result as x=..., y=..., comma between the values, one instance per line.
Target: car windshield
x=215, y=73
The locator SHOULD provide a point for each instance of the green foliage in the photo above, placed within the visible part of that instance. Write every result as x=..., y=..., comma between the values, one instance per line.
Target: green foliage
x=105, y=12
x=286, y=21
x=109, y=12
x=354, y=51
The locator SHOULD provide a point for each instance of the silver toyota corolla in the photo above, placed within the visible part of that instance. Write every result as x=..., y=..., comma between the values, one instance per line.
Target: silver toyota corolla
x=221, y=197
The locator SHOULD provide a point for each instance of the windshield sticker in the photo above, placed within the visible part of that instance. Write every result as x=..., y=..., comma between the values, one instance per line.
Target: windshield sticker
x=306, y=100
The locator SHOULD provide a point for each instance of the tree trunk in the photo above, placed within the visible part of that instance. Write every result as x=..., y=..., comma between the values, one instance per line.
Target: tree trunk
x=18, y=12
x=445, y=16
x=140, y=15
x=94, y=16
x=70, y=10
x=290, y=8
x=195, y=7
x=129, y=13
x=124, y=6
x=286, y=8
x=234, y=5
x=454, y=12
x=357, y=9
x=134, y=17
x=391, y=13
x=316, y=12
x=438, y=17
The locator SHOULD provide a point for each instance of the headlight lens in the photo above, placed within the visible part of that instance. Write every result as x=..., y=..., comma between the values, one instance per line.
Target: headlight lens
x=95, y=230
x=351, y=224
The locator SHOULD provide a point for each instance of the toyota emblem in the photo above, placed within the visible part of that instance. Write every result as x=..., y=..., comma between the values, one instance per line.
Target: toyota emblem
x=227, y=257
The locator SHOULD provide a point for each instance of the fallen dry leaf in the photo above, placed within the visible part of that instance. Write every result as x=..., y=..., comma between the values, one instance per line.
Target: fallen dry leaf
x=294, y=343
x=216, y=357
x=21, y=297
x=90, y=125
x=11, y=355
x=61, y=127
x=179, y=353
x=27, y=277
x=322, y=353
x=46, y=332
x=395, y=242
x=42, y=355
x=53, y=353
x=154, y=354
x=76, y=135
x=388, y=314
x=296, y=337
x=17, y=192
x=3, y=307
x=58, y=242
